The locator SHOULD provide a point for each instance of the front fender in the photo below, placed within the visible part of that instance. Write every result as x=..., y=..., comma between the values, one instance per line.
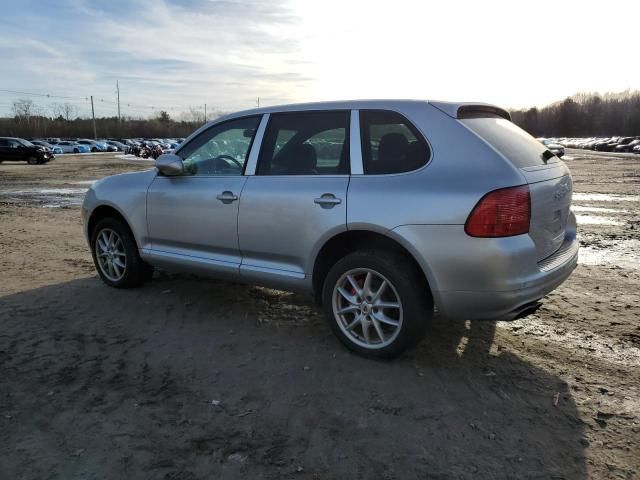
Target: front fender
x=126, y=194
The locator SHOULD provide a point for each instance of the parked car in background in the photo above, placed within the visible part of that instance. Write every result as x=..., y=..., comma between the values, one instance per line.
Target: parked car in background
x=345, y=200
x=108, y=147
x=119, y=147
x=68, y=146
x=602, y=145
x=555, y=148
x=625, y=145
x=636, y=149
x=93, y=145
x=20, y=150
x=52, y=148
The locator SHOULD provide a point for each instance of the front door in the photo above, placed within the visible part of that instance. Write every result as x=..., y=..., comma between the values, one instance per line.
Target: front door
x=297, y=198
x=193, y=218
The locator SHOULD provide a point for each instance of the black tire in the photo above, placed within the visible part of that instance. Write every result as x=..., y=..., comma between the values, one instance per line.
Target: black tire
x=32, y=160
x=94, y=149
x=411, y=287
x=136, y=270
x=75, y=150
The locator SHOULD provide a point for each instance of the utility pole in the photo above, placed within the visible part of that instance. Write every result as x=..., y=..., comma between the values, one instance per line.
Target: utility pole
x=258, y=102
x=205, y=113
x=118, y=90
x=93, y=115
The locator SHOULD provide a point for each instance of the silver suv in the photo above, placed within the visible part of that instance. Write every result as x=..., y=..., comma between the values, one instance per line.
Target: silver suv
x=385, y=210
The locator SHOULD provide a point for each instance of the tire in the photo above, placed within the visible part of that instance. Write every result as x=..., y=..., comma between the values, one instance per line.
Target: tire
x=94, y=150
x=135, y=271
x=75, y=150
x=405, y=286
x=33, y=160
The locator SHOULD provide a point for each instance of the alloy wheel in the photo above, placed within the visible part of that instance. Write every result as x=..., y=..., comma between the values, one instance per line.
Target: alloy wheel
x=110, y=253
x=367, y=308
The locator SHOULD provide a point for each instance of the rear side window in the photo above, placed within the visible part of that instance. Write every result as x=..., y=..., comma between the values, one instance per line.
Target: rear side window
x=306, y=143
x=511, y=141
x=390, y=143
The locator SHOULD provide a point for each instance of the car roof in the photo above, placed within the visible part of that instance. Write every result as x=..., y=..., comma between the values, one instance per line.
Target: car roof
x=450, y=108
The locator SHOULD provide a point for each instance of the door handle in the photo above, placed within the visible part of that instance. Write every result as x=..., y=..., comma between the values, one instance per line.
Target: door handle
x=227, y=197
x=327, y=200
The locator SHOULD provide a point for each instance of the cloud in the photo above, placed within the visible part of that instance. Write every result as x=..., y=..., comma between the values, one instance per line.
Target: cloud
x=169, y=54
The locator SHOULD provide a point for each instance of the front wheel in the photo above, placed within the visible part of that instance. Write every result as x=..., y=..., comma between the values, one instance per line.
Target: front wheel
x=377, y=303
x=75, y=150
x=33, y=160
x=115, y=255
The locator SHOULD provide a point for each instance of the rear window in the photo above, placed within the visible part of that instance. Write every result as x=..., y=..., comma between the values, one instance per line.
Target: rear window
x=511, y=141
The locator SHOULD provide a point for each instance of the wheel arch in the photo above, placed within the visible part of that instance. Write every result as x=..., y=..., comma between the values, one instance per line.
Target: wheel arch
x=351, y=240
x=107, y=211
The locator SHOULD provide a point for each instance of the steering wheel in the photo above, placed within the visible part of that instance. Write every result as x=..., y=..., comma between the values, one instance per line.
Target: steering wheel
x=228, y=157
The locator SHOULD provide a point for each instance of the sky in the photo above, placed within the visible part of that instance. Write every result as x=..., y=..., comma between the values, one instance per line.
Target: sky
x=177, y=55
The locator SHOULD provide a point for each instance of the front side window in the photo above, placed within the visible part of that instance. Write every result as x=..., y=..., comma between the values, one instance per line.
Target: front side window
x=390, y=144
x=221, y=150
x=306, y=143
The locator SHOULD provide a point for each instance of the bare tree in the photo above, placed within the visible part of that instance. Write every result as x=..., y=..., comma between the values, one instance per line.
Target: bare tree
x=23, y=109
x=67, y=111
x=194, y=116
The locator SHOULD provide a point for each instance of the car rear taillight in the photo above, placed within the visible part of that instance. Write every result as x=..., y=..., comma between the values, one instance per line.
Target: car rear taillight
x=501, y=213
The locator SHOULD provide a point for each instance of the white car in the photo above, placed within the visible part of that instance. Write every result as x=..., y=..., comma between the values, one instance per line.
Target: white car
x=555, y=148
x=72, y=147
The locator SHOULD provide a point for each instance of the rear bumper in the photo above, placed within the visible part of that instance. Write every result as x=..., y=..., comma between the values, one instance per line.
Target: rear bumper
x=507, y=305
x=486, y=279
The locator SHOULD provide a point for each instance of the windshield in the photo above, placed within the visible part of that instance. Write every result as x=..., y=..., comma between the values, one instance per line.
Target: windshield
x=26, y=143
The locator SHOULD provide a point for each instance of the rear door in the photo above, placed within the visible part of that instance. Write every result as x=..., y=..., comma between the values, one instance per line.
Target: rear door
x=548, y=177
x=297, y=197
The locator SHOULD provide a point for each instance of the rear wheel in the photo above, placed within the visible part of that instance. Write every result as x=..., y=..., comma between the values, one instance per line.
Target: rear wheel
x=75, y=150
x=377, y=303
x=115, y=255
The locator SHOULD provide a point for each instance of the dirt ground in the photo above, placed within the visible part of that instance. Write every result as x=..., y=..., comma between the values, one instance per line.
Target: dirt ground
x=189, y=379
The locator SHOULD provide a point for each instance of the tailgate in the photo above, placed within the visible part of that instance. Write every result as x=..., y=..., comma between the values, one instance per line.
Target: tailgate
x=551, y=189
x=548, y=177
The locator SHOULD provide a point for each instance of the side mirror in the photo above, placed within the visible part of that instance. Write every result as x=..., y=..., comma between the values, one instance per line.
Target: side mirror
x=170, y=164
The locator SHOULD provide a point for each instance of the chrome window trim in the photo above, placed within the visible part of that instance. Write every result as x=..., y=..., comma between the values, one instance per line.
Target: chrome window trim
x=252, y=161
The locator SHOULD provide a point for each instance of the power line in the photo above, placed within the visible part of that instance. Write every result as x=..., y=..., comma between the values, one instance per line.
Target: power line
x=48, y=95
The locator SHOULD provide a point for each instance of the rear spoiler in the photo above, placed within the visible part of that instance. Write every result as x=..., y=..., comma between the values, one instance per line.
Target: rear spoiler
x=471, y=110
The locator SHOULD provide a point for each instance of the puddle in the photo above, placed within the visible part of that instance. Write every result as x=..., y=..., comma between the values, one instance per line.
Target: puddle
x=588, y=208
x=620, y=253
x=605, y=348
x=605, y=197
x=596, y=220
x=46, y=197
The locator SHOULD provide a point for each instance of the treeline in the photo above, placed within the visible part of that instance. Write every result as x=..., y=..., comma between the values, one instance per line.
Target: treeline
x=584, y=115
x=43, y=127
x=30, y=121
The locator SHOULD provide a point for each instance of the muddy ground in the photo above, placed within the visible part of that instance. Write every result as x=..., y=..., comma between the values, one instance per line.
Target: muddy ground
x=195, y=379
